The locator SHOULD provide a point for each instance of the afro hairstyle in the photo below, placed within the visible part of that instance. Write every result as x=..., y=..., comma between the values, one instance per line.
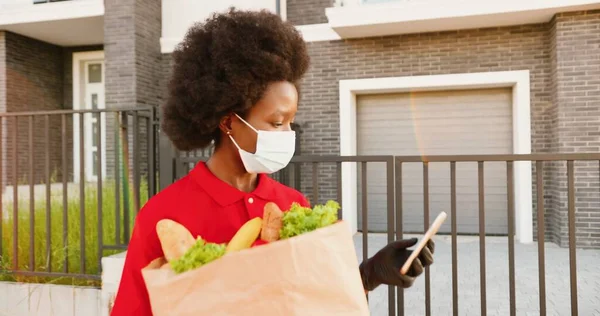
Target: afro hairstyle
x=224, y=66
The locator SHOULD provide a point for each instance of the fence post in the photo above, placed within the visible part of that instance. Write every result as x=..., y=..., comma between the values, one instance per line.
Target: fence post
x=166, y=160
x=296, y=168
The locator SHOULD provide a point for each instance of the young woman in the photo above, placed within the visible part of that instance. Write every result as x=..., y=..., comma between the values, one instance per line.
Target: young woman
x=235, y=83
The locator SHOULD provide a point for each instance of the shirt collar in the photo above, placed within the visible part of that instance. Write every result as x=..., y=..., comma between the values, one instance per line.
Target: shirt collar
x=225, y=194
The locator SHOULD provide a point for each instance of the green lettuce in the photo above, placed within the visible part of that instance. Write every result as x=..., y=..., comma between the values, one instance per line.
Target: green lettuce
x=299, y=220
x=198, y=255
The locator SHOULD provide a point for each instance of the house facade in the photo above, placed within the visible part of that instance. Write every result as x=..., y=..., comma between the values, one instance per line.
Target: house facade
x=405, y=78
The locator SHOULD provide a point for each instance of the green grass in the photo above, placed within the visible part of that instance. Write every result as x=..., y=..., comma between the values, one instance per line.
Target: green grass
x=58, y=254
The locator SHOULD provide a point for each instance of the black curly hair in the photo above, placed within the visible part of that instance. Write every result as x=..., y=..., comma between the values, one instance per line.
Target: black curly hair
x=224, y=66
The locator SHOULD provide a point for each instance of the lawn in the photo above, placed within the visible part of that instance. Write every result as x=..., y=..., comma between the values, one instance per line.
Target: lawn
x=59, y=254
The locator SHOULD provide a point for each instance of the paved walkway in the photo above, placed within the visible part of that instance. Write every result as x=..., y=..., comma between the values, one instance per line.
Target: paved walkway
x=526, y=266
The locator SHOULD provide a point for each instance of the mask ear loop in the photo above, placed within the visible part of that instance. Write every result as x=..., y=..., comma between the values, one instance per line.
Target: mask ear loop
x=248, y=124
x=233, y=140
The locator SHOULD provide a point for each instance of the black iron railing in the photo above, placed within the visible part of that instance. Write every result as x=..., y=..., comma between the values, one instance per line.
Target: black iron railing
x=540, y=160
x=86, y=213
x=94, y=217
x=563, y=168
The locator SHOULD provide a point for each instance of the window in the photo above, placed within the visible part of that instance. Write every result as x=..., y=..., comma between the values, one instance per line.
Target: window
x=94, y=73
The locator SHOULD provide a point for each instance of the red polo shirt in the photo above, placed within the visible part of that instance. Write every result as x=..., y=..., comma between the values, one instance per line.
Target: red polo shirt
x=207, y=207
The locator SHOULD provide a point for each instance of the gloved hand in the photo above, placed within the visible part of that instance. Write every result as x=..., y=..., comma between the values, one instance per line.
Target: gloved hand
x=384, y=266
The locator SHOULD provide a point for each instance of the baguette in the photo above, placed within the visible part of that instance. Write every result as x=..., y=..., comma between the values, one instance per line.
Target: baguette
x=175, y=239
x=272, y=222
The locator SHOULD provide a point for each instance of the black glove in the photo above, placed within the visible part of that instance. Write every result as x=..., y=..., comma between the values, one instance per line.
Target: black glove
x=384, y=266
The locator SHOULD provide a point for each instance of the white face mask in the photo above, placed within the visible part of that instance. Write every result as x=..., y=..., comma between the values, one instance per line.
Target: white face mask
x=274, y=150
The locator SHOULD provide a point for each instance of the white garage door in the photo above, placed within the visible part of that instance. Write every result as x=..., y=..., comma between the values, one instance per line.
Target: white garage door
x=437, y=123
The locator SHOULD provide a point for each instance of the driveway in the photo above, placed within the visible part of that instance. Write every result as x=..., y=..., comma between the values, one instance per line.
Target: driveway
x=497, y=279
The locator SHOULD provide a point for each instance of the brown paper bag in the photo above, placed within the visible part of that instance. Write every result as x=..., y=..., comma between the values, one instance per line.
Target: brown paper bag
x=311, y=274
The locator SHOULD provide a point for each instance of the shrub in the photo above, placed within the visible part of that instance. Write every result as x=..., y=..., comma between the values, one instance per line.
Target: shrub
x=60, y=258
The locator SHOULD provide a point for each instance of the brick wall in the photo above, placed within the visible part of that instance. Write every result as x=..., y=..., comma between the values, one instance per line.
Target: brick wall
x=495, y=49
x=33, y=74
x=2, y=109
x=2, y=72
x=119, y=55
x=562, y=58
x=166, y=69
x=132, y=30
x=576, y=105
x=147, y=51
x=552, y=168
x=498, y=49
x=559, y=103
x=148, y=33
x=41, y=79
x=301, y=12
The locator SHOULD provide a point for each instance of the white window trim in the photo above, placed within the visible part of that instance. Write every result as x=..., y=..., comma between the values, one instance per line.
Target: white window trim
x=519, y=81
x=78, y=58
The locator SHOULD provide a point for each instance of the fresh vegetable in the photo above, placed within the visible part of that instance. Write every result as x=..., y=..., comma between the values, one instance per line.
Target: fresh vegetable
x=200, y=254
x=299, y=220
x=245, y=236
x=184, y=253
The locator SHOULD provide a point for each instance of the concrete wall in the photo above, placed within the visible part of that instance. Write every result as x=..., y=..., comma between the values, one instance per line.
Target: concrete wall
x=27, y=299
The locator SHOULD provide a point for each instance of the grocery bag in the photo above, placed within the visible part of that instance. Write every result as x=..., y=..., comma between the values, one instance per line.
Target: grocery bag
x=312, y=274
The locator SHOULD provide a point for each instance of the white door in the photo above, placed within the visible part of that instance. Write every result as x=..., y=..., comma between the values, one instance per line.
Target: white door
x=94, y=100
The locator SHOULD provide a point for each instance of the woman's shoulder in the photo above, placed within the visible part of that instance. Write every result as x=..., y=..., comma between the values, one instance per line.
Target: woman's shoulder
x=171, y=198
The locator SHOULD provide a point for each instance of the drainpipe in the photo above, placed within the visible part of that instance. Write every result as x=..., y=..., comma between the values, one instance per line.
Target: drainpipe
x=278, y=7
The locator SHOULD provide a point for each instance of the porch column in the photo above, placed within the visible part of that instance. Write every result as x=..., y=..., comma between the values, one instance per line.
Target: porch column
x=132, y=30
x=575, y=118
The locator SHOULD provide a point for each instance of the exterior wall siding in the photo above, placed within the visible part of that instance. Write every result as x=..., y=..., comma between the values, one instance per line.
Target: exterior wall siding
x=2, y=109
x=119, y=55
x=40, y=78
x=148, y=66
x=132, y=32
x=33, y=82
x=302, y=12
x=576, y=105
x=565, y=103
x=483, y=50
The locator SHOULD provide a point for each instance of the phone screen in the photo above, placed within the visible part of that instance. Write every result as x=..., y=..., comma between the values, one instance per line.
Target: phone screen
x=433, y=229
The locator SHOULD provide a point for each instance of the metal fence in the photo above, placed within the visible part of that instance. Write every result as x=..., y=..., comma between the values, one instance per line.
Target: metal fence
x=394, y=208
x=98, y=221
x=71, y=187
x=540, y=161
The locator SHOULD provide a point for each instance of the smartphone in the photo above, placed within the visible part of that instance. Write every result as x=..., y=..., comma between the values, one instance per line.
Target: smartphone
x=433, y=229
